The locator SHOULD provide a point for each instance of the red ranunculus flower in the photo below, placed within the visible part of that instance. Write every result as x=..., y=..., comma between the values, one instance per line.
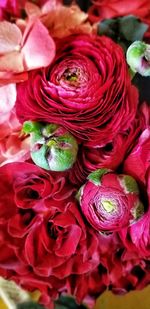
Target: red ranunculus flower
x=103, y=9
x=87, y=89
x=43, y=235
x=112, y=154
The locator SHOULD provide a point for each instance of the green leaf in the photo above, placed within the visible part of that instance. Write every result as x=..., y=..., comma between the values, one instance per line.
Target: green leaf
x=131, y=28
x=108, y=27
x=96, y=176
x=29, y=305
x=123, y=30
x=67, y=302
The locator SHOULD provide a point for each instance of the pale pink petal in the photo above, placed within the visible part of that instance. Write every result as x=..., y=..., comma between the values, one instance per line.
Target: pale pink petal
x=50, y=5
x=7, y=100
x=12, y=62
x=10, y=37
x=11, y=124
x=38, y=47
x=13, y=149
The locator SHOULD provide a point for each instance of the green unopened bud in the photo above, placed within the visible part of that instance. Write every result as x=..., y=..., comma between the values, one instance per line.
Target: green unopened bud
x=52, y=147
x=138, y=58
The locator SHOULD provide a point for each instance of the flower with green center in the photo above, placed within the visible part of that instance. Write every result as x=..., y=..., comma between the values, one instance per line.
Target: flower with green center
x=138, y=58
x=108, y=206
x=52, y=147
x=110, y=201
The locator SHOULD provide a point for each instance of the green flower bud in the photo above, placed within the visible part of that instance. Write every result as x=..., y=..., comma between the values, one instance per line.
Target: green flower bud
x=138, y=58
x=52, y=147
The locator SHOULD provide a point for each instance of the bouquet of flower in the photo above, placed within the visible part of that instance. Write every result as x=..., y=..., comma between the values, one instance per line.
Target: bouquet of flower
x=75, y=148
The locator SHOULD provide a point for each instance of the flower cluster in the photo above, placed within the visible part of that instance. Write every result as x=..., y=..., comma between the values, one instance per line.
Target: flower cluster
x=74, y=151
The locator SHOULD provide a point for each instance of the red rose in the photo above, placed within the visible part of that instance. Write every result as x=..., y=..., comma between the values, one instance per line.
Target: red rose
x=103, y=9
x=123, y=269
x=88, y=287
x=43, y=236
x=87, y=89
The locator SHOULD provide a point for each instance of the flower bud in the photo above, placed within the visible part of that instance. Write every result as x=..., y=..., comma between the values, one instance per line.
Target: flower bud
x=52, y=147
x=138, y=58
x=109, y=201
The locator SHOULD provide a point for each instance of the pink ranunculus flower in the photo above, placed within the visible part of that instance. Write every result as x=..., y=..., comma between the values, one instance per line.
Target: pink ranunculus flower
x=110, y=201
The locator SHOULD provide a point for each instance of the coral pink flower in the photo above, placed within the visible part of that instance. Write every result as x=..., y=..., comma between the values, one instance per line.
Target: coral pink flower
x=20, y=53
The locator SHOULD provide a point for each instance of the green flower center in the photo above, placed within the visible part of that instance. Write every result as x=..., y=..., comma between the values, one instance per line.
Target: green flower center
x=108, y=205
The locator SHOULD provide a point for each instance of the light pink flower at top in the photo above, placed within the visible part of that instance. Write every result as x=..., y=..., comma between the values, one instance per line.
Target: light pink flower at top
x=20, y=53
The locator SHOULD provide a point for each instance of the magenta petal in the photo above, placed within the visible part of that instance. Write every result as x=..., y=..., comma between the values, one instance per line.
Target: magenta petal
x=38, y=46
x=138, y=161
